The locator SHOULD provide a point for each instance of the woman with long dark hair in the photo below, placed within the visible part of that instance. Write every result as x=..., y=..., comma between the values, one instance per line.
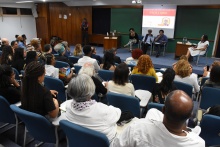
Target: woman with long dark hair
x=9, y=87
x=7, y=55
x=18, y=59
x=35, y=97
x=162, y=89
x=108, y=61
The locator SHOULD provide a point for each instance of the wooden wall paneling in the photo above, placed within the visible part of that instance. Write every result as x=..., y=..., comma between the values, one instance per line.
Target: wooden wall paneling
x=69, y=26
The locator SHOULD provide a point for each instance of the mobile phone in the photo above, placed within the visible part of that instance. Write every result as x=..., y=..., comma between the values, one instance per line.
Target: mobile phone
x=68, y=71
x=207, y=67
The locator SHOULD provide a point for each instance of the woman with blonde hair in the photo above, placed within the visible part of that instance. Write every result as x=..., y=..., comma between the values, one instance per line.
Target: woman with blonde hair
x=183, y=70
x=78, y=51
x=145, y=66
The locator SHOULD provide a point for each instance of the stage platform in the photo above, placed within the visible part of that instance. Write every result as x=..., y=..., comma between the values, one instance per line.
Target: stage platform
x=163, y=61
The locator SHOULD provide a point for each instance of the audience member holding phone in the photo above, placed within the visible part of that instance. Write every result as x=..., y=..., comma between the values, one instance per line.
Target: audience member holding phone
x=53, y=71
x=207, y=69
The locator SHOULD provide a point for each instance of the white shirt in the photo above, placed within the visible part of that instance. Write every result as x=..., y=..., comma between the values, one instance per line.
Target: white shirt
x=191, y=80
x=98, y=117
x=199, y=46
x=127, y=89
x=149, y=40
x=86, y=59
x=52, y=71
x=151, y=132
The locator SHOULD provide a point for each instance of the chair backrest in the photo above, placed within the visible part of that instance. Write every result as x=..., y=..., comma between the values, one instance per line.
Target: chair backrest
x=210, y=129
x=56, y=55
x=16, y=74
x=77, y=68
x=6, y=114
x=106, y=75
x=155, y=105
x=124, y=102
x=61, y=64
x=210, y=97
x=83, y=137
x=73, y=59
x=37, y=125
x=56, y=84
x=184, y=87
x=143, y=82
x=203, y=80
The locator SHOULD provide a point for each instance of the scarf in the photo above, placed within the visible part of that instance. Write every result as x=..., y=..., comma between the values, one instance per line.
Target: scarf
x=80, y=106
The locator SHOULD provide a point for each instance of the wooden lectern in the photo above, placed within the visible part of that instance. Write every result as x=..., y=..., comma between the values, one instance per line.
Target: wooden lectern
x=111, y=42
x=181, y=49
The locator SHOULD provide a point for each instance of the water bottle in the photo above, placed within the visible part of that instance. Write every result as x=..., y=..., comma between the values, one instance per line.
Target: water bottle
x=113, y=34
x=107, y=33
x=184, y=40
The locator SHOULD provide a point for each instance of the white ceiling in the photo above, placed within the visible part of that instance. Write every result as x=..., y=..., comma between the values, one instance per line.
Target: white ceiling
x=120, y=2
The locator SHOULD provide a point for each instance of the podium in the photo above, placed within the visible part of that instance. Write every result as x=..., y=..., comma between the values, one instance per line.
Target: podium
x=111, y=42
x=181, y=49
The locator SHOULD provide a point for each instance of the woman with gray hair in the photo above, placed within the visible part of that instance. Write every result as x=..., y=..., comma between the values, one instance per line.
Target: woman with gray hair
x=89, y=113
x=89, y=70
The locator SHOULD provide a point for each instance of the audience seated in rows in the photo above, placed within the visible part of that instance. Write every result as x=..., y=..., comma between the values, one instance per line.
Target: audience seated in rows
x=19, y=59
x=120, y=84
x=183, y=70
x=89, y=70
x=135, y=54
x=84, y=111
x=162, y=89
x=214, y=80
x=97, y=57
x=9, y=87
x=78, y=51
x=206, y=73
x=7, y=55
x=163, y=129
x=35, y=97
x=87, y=50
x=108, y=62
x=145, y=67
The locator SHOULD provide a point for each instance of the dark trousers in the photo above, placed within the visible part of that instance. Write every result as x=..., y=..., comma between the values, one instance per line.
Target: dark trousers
x=158, y=47
x=144, y=47
x=85, y=38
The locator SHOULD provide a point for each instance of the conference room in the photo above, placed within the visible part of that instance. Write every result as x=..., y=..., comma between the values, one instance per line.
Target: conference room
x=105, y=25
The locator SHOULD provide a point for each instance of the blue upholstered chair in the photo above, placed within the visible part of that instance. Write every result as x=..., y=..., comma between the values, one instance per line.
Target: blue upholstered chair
x=77, y=68
x=203, y=80
x=106, y=75
x=210, y=97
x=73, y=59
x=184, y=87
x=61, y=64
x=7, y=115
x=155, y=105
x=52, y=83
x=124, y=102
x=83, y=137
x=37, y=125
x=143, y=82
x=210, y=129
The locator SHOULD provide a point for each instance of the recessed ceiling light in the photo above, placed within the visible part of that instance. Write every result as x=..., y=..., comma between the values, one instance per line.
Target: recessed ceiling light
x=25, y=2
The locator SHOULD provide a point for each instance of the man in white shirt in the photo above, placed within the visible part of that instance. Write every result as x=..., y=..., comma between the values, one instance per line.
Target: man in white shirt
x=87, y=50
x=158, y=130
x=147, y=41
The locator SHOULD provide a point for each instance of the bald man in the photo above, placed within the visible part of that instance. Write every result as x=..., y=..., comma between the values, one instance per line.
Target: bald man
x=162, y=129
x=4, y=43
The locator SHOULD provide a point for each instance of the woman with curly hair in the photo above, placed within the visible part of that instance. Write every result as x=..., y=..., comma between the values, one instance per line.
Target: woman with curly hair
x=135, y=54
x=183, y=70
x=7, y=55
x=162, y=89
x=78, y=51
x=145, y=66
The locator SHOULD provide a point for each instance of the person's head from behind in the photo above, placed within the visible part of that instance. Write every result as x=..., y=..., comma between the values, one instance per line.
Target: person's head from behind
x=204, y=38
x=121, y=73
x=20, y=39
x=47, y=48
x=78, y=48
x=14, y=44
x=35, y=44
x=5, y=41
x=31, y=56
x=215, y=74
x=183, y=68
x=168, y=77
x=184, y=57
x=6, y=74
x=87, y=50
x=161, y=32
x=24, y=37
x=144, y=64
x=7, y=54
x=177, y=109
x=60, y=49
x=81, y=88
x=136, y=53
x=50, y=59
x=93, y=50
x=19, y=54
x=109, y=58
x=88, y=69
